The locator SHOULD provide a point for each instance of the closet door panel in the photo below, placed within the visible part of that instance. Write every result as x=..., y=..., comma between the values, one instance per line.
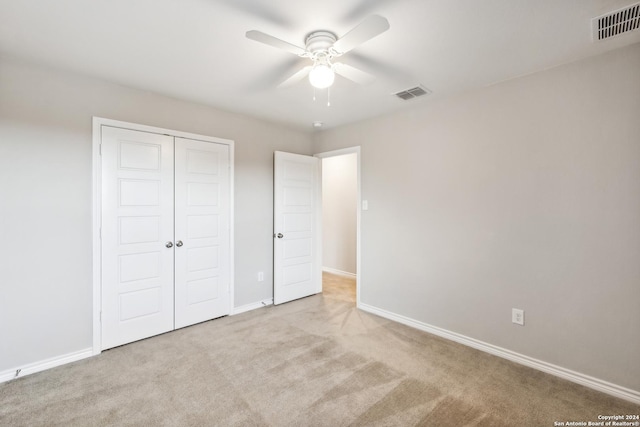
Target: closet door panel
x=137, y=222
x=202, y=204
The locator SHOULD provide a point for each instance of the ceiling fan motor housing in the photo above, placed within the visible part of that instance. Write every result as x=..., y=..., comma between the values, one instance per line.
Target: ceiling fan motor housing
x=320, y=42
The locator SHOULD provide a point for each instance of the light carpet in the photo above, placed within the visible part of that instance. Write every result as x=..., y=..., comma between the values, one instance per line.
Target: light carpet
x=317, y=361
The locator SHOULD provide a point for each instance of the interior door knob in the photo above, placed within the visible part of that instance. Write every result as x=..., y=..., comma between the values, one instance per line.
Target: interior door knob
x=169, y=244
x=179, y=243
x=279, y=235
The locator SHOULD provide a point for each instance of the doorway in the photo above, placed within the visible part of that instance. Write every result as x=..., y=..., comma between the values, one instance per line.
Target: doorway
x=341, y=217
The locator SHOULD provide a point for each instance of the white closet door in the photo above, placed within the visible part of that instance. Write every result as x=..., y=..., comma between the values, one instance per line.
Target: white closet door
x=202, y=200
x=137, y=227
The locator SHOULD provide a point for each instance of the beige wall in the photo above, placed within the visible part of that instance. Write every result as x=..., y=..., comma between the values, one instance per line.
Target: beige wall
x=45, y=199
x=525, y=194
x=339, y=203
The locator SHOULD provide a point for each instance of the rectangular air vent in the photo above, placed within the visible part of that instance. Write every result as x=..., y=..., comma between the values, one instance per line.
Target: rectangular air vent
x=615, y=23
x=414, y=92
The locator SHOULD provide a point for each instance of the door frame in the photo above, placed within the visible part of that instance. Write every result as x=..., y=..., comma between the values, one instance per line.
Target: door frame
x=96, y=204
x=342, y=152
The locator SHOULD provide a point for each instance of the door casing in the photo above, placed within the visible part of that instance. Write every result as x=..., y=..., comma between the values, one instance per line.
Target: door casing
x=98, y=122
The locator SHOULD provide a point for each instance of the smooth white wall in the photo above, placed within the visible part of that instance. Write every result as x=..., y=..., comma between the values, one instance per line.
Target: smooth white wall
x=45, y=199
x=525, y=194
x=339, y=203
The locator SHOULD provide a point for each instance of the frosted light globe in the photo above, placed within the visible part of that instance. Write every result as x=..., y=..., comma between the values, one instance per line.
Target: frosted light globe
x=321, y=76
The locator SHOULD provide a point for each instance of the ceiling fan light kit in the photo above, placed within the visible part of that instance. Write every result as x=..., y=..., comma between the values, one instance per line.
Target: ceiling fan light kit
x=321, y=47
x=321, y=76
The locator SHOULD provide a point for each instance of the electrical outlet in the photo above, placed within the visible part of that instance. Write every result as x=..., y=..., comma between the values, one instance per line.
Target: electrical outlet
x=517, y=316
x=260, y=276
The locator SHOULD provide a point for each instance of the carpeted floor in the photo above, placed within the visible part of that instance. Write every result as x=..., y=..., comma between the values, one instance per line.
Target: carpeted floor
x=317, y=361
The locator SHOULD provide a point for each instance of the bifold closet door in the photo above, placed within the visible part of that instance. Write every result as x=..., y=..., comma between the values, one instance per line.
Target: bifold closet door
x=202, y=200
x=137, y=235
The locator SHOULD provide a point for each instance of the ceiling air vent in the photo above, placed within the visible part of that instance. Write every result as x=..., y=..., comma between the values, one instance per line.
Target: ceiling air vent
x=615, y=23
x=414, y=92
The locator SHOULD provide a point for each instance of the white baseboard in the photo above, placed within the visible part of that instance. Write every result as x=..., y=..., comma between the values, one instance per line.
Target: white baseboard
x=558, y=371
x=339, y=272
x=42, y=365
x=252, y=306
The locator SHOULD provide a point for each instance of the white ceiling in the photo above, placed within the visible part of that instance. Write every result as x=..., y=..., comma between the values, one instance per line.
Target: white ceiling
x=196, y=49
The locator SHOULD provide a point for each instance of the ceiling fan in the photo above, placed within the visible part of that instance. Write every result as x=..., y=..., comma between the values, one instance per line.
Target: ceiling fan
x=321, y=47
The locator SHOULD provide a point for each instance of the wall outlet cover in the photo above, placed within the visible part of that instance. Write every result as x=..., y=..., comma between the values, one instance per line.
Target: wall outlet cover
x=517, y=316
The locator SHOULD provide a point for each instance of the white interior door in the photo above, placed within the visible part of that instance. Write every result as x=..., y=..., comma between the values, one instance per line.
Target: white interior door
x=297, y=221
x=137, y=235
x=202, y=270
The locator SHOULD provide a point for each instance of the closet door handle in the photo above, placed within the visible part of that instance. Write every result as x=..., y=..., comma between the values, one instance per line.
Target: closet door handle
x=169, y=244
x=179, y=243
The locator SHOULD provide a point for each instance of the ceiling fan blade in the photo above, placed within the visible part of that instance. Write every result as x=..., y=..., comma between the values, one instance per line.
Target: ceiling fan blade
x=353, y=74
x=296, y=77
x=261, y=37
x=366, y=30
